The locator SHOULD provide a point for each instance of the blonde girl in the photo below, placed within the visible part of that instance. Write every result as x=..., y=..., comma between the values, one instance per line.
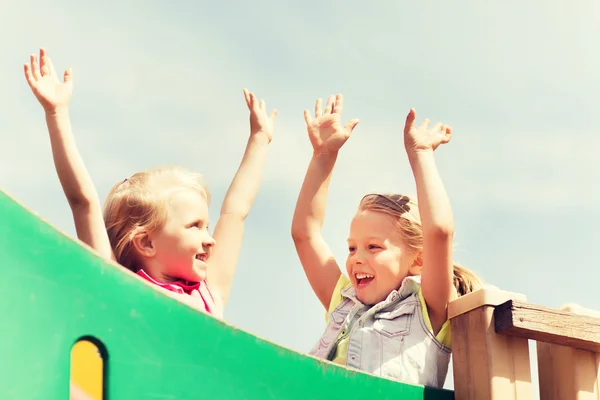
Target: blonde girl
x=155, y=223
x=389, y=316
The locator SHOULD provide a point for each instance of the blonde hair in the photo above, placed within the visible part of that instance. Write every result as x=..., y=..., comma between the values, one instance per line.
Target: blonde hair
x=139, y=204
x=405, y=212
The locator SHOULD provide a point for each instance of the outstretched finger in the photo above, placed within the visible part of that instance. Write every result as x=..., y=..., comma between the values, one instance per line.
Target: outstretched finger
x=338, y=106
x=307, y=117
x=253, y=102
x=247, y=97
x=272, y=117
x=350, y=125
x=318, y=105
x=28, y=74
x=44, y=68
x=329, y=105
x=50, y=66
x=424, y=124
x=410, y=120
x=263, y=106
x=34, y=67
x=448, y=129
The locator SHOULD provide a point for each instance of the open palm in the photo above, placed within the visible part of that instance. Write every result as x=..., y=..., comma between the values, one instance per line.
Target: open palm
x=423, y=138
x=259, y=120
x=325, y=131
x=43, y=81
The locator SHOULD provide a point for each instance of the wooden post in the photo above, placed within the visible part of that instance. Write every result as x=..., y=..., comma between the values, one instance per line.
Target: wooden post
x=567, y=373
x=487, y=366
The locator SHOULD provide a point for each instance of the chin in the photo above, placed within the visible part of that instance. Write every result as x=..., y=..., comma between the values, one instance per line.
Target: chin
x=366, y=299
x=370, y=299
x=198, y=274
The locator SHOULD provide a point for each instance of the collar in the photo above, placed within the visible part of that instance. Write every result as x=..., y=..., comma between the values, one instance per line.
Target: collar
x=179, y=286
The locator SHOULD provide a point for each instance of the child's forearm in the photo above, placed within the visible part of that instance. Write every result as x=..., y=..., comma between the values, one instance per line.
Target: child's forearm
x=236, y=206
x=73, y=176
x=244, y=187
x=316, y=257
x=77, y=184
x=434, y=205
x=312, y=200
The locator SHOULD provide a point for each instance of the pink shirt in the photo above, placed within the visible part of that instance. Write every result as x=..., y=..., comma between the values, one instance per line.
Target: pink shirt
x=198, y=294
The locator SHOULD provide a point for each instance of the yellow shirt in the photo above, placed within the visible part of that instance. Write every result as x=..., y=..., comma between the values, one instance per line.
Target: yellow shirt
x=444, y=336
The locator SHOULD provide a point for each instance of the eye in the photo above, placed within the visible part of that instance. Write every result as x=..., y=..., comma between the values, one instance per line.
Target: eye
x=198, y=225
x=351, y=249
x=374, y=246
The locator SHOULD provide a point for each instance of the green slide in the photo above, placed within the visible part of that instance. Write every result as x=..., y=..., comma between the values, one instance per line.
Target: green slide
x=55, y=291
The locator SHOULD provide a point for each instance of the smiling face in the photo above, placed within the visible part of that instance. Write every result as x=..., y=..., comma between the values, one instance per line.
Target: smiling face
x=378, y=260
x=183, y=245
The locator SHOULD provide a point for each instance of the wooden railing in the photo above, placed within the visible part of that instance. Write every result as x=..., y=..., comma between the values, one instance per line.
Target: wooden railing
x=490, y=333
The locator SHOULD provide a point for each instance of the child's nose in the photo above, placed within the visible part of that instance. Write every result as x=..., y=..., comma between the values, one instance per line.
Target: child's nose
x=358, y=258
x=210, y=241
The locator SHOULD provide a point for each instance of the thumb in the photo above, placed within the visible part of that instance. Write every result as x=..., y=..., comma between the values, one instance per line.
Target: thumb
x=350, y=125
x=68, y=77
x=273, y=115
x=410, y=120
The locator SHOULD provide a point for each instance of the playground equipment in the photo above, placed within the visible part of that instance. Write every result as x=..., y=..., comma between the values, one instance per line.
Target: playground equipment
x=63, y=305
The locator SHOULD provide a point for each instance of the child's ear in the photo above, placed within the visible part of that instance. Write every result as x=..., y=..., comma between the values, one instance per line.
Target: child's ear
x=142, y=242
x=417, y=264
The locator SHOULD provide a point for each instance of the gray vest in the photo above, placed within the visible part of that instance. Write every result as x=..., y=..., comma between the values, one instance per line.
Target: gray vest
x=389, y=339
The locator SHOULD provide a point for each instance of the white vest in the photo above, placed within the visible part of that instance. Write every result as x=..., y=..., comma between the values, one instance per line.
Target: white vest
x=389, y=339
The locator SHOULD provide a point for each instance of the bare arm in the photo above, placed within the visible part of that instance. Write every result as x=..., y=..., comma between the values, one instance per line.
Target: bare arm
x=77, y=185
x=239, y=198
x=436, y=216
x=327, y=136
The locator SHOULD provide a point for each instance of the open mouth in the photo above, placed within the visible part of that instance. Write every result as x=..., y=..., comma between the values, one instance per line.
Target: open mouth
x=202, y=257
x=363, y=280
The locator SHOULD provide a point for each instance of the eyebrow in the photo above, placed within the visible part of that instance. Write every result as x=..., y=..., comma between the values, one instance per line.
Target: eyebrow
x=370, y=238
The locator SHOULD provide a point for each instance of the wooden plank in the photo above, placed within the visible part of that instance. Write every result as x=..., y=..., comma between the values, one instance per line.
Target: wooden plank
x=488, y=366
x=515, y=318
x=566, y=373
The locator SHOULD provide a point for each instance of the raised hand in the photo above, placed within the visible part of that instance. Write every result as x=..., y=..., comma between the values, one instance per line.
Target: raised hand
x=260, y=122
x=43, y=81
x=422, y=138
x=326, y=133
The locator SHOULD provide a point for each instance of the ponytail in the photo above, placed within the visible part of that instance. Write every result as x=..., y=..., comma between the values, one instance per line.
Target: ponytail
x=465, y=281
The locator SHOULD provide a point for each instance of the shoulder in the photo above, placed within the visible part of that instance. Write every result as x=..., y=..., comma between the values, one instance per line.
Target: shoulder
x=336, y=298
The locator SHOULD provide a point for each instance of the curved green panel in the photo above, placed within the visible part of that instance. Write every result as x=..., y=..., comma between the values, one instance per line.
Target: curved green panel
x=55, y=291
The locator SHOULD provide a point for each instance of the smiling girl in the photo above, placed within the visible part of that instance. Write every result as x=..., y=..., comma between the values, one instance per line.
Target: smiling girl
x=389, y=316
x=155, y=223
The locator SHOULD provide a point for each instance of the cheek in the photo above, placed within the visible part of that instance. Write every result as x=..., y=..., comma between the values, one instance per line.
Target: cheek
x=389, y=264
x=193, y=240
x=348, y=264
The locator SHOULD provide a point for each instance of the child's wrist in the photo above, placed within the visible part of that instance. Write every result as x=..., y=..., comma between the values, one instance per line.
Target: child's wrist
x=415, y=155
x=261, y=135
x=325, y=154
x=56, y=111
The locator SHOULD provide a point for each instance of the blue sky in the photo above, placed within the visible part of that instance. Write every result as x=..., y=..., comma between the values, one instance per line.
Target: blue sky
x=161, y=83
